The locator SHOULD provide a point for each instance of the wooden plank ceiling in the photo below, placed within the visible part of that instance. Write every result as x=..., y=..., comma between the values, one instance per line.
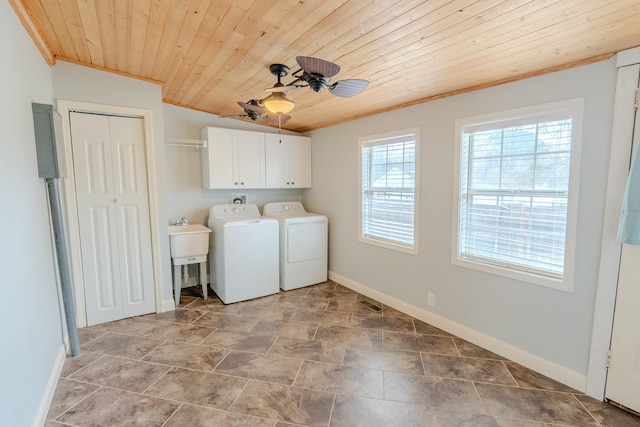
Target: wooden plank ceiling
x=210, y=54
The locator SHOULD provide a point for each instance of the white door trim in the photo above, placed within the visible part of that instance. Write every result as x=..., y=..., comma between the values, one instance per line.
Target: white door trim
x=620, y=157
x=73, y=232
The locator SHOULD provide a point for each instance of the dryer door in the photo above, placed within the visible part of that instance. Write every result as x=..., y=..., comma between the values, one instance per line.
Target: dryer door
x=306, y=241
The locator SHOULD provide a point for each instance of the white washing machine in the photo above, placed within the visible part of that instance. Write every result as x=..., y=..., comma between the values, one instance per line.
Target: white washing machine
x=244, y=253
x=303, y=244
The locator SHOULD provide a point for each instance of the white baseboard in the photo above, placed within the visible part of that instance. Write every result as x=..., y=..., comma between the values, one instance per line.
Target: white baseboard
x=552, y=370
x=168, y=305
x=43, y=409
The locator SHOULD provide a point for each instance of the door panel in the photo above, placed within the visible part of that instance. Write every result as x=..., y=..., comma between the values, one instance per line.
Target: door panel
x=277, y=164
x=100, y=267
x=97, y=175
x=125, y=170
x=127, y=137
x=134, y=233
x=623, y=381
x=96, y=216
x=136, y=274
x=250, y=159
x=300, y=162
x=623, y=377
x=218, y=166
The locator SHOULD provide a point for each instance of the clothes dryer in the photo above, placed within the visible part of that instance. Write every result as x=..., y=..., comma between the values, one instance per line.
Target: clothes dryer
x=303, y=244
x=244, y=260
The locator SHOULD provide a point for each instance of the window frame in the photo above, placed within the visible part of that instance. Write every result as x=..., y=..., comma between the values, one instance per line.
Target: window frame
x=380, y=242
x=574, y=109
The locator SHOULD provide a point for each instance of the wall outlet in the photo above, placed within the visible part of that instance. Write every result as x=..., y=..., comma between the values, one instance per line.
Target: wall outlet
x=431, y=299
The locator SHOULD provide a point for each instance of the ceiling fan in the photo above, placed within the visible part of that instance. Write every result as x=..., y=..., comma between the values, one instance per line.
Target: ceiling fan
x=313, y=73
x=255, y=111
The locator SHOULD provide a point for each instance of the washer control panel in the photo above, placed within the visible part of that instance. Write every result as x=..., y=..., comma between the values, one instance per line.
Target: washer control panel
x=235, y=211
x=282, y=208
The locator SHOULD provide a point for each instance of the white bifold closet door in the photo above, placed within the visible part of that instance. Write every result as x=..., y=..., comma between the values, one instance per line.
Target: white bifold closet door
x=113, y=214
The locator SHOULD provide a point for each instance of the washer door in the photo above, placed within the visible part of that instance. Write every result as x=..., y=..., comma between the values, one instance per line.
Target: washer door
x=306, y=241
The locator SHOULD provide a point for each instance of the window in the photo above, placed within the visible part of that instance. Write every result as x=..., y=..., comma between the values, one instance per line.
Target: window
x=388, y=190
x=515, y=199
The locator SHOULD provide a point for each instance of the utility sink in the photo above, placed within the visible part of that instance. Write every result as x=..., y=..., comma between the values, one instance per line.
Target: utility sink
x=189, y=245
x=189, y=241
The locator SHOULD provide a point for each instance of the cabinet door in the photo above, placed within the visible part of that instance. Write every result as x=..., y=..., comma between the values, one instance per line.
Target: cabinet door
x=250, y=155
x=277, y=161
x=218, y=168
x=300, y=162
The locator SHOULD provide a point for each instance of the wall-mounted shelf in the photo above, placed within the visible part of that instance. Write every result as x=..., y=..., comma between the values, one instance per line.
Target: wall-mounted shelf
x=186, y=143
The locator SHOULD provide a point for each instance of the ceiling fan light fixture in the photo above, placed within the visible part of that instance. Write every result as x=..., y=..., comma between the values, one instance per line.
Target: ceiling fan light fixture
x=278, y=103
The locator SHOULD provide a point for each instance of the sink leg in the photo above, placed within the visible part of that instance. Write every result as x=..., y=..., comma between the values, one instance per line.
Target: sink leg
x=203, y=278
x=177, y=284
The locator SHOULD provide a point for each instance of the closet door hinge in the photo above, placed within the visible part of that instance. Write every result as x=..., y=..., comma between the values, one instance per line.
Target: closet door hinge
x=636, y=99
x=609, y=355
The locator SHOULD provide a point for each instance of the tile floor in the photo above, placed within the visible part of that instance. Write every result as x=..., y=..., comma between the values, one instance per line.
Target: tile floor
x=317, y=356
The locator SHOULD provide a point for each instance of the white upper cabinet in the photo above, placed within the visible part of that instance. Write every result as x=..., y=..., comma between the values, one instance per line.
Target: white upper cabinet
x=288, y=161
x=236, y=159
x=233, y=159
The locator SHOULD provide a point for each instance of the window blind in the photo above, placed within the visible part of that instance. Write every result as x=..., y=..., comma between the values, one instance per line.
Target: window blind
x=388, y=190
x=514, y=193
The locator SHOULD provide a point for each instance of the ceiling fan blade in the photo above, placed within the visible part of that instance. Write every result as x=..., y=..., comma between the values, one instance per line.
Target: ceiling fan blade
x=252, y=109
x=318, y=66
x=283, y=88
x=348, y=88
x=252, y=106
x=274, y=119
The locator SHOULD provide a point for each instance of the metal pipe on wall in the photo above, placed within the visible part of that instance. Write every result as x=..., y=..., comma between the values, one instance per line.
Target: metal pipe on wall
x=49, y=169
x=53, y=187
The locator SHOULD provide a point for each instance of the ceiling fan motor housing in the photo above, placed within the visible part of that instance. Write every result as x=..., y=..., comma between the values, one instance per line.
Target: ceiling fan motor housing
x=253, y=115
x=279, y=70
x=317, y=82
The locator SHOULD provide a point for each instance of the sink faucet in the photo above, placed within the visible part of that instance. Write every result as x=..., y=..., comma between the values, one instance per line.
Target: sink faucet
x=182, y=221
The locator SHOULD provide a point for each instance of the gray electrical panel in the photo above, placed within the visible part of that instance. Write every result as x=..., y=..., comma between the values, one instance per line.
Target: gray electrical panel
x=45, y=141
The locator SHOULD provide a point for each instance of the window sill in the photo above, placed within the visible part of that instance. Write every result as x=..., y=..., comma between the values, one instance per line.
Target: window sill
x=389, y=245
x=536, y=279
